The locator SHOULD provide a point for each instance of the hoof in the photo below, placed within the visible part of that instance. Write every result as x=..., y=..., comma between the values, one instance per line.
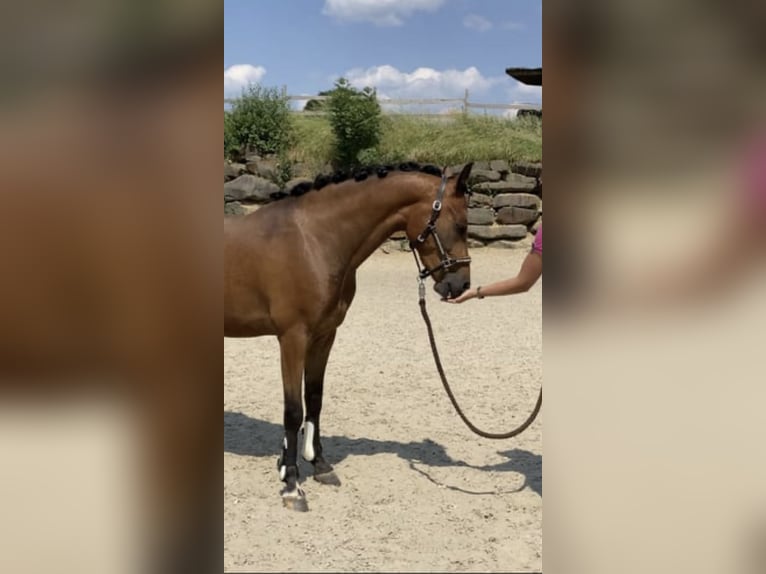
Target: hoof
x=328, y=478
x=295, y=501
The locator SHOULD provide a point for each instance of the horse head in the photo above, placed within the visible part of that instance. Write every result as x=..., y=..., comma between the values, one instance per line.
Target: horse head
x=442, y=244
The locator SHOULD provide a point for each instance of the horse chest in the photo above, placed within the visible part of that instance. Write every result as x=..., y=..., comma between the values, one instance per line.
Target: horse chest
x=337, y=313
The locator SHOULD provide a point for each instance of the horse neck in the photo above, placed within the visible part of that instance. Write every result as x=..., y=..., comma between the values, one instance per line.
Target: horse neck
x=360, y=216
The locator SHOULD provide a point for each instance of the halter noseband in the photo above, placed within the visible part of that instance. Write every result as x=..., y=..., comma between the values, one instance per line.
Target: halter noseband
x=446, y=261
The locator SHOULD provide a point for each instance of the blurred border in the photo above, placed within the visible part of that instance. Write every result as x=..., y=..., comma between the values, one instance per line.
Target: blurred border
x=653, y=297
x=110, y=246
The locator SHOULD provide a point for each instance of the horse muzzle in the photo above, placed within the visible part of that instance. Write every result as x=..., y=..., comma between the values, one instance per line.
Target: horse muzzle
x=452, y=285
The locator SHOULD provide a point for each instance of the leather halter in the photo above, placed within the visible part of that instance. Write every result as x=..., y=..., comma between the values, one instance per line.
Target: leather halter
x=446, y=261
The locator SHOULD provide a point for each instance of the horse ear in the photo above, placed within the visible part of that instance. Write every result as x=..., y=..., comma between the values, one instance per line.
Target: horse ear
x=461, y=187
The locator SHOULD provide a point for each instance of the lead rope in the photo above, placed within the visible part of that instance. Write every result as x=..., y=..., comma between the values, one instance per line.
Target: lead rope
x=437, y=360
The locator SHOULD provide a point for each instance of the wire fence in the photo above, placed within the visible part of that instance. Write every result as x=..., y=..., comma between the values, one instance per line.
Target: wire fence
x=434, y=107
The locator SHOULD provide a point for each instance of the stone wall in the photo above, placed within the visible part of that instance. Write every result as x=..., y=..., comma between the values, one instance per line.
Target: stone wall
x=250, y=184
x=505, y=205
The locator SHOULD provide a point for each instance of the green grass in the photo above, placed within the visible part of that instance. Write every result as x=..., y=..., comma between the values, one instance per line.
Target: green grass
x=314, y=140
x=447, y=140
x=443, y=141
x=458, y=139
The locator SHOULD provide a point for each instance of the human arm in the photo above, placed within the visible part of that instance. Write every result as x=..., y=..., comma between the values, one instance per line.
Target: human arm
x=529, y=273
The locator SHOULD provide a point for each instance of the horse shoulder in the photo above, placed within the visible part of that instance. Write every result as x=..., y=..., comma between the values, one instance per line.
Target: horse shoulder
x=345, y=296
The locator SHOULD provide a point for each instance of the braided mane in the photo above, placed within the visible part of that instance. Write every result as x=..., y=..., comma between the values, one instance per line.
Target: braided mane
x=358, y=174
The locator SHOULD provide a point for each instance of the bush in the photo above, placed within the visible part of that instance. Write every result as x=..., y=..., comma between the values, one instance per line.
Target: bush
x=355, y=117
x=259, y=121
x=285, y=168
x=317, y=105
x=230, y=146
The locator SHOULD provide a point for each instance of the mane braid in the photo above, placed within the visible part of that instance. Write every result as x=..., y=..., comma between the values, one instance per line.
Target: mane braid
x=358, y=174
x=300, y=189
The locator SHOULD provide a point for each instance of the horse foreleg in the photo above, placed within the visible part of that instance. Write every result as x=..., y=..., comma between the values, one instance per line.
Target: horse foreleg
x=316, y=362
x=293, y=354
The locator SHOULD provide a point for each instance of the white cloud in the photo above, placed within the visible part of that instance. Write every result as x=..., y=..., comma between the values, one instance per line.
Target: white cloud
x=239, y=76
x=422, y=82
x=476, y=22
x=482, y=24
x=522, y=93
x=379, y=12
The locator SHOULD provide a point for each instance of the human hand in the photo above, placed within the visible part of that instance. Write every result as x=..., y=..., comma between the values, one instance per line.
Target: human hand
x=467, y=294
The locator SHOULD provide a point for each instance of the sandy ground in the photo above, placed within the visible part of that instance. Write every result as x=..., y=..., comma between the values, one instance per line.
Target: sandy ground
x=420, y=492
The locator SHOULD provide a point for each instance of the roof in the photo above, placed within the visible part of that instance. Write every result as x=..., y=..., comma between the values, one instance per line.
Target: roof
x=528, y=76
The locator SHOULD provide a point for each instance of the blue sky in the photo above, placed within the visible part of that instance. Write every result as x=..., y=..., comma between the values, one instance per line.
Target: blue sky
x=403, y=48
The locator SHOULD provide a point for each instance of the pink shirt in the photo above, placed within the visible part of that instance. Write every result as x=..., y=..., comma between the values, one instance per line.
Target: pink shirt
x=538, y=244
x=755, y=179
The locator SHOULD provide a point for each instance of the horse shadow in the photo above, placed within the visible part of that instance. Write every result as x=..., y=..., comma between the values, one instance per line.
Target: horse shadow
x=247, y=436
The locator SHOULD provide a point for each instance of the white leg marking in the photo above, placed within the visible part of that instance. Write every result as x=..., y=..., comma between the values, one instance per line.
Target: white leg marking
x=283, y=468
x=308, y=442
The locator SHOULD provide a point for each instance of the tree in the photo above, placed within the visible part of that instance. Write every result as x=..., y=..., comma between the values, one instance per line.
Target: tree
x=259, y=121
x=355, y=116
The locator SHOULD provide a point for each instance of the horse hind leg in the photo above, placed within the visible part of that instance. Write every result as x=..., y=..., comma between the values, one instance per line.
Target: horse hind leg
x=316, y=363
x=293, y=353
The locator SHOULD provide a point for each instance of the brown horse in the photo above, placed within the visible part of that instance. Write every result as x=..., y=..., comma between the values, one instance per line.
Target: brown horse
x=290, y=271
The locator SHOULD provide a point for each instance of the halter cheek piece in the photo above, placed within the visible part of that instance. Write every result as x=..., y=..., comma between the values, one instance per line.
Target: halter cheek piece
x=446, y=261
